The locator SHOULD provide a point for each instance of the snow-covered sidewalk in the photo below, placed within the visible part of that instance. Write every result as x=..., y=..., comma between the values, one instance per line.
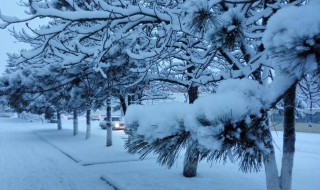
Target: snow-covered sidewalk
x=29, y=163
x=59, y=160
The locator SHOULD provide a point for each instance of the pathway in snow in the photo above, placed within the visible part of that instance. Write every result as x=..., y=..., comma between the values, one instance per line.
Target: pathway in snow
x=29, y=163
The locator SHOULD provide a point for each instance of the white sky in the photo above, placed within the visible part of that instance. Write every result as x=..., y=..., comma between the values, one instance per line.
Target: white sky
x=7, y=43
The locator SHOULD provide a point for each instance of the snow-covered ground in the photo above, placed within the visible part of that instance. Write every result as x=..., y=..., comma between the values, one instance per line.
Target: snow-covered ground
x=36, y=156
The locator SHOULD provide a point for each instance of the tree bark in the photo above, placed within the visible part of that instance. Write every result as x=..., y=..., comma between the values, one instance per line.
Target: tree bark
x=109, y=127
x=123, y=104
x=59, y=120
x=129, y=100
x=271, y=170
x=75, y=122
x=88, y=121
x=285, y=180
x=289, y=138
x=193, y=92
x=191, y=159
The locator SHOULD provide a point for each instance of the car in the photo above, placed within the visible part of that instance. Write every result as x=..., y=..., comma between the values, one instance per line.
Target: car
x=117, y=123
x=70, y=117
x=95, y=117
x=53, y=119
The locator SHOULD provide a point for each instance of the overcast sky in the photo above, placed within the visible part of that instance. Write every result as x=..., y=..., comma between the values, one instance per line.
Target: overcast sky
x=7, y=42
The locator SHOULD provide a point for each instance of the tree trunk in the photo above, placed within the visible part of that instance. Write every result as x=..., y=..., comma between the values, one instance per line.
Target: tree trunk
x=59, y=120
x=191, y=159
x=109, y=127
x=139, y=96
x=129, y=100
x=123, y=104
x=289, y=138
x=75, y=122
x=284, y=181
x=88, y=132
x=271, y=170
x=193, y=94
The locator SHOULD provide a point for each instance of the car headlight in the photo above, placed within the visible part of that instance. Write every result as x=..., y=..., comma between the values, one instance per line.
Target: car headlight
x=116, y=125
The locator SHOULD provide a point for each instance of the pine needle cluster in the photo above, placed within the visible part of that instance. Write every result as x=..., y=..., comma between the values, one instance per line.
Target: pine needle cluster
x=229, y=34
x=203, y=20
x=167, y=148
x=247, y=143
